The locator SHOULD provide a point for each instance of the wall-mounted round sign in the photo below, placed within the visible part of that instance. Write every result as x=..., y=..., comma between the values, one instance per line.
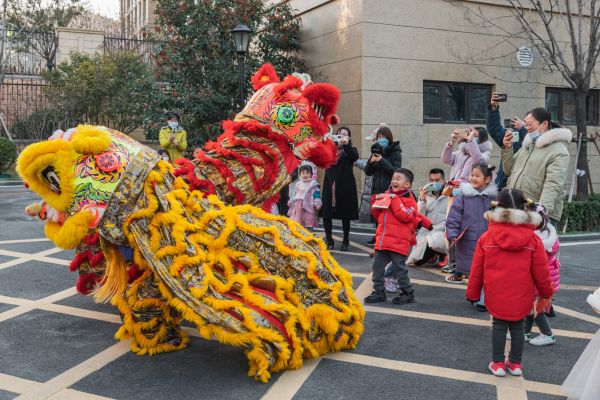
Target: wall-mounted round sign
x=525, y=56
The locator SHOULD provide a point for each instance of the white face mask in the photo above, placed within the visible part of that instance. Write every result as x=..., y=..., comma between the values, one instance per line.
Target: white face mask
x=535, y=135
x=173, y=124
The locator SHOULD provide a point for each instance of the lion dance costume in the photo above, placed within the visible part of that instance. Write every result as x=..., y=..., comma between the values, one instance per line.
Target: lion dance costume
x=165, y=244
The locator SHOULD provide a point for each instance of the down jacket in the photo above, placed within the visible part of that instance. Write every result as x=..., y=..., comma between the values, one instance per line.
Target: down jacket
x=398, y=223
x=540, y=170
x=435, y=209
x=550, y=241
x=383, y=170
x=462, y=160
x=509, y=264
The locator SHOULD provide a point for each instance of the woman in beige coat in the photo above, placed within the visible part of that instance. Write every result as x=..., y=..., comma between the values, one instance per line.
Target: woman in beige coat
x=539, y=168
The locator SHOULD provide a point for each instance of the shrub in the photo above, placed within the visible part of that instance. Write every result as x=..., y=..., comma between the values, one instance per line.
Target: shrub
x=8, y=154
x=40, y=124
x=581, y=216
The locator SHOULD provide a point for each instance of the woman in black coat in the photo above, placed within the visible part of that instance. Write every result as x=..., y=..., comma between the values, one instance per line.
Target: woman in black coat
x=339, y=196
x=386, y=157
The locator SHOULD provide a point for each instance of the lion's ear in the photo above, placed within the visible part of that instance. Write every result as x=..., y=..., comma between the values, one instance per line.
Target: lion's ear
x=89, y=139
x=266, y=74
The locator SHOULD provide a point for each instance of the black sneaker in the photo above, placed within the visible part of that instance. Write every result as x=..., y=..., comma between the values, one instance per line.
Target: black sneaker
x=371, y=242
x=344, y=246
x=404, y=297
x=376, y=296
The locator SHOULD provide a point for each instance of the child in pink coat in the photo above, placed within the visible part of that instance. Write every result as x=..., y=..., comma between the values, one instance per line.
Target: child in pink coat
x=547, y=233
x=305, y=198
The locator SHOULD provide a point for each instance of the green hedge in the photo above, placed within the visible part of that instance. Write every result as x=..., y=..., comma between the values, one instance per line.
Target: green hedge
x=8, y=153
x=582, y=216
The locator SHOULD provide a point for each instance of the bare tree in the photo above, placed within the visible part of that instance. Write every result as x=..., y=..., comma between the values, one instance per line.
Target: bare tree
x=541, y=21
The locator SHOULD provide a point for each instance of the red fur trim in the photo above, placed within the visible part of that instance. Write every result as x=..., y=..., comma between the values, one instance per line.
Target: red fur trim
x=225, y=172
x=96, y=259
x=86, y=283
x=187, y=171
x=266, y=74
x=326, y=96
x=79, y=259
x=324, y=155
x=92, y=240
x=269, y=203
x=290, y=82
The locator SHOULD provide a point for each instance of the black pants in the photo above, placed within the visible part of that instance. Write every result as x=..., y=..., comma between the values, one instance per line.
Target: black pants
x=328, y=226
x=429, y=253
x=399, y=270
x=517, y=339
x=541, y=321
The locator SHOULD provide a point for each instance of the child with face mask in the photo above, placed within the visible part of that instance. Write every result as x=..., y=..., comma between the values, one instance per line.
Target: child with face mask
x=465, y=222
x=173, y=137
x=305, y=198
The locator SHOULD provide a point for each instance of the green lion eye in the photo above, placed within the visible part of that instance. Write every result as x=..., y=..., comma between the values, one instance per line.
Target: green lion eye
x=286, y=114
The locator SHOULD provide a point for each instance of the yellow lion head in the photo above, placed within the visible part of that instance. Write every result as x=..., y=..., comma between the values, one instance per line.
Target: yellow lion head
x=75, y=172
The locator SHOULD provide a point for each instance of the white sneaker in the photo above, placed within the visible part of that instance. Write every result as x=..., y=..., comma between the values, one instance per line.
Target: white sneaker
x=391, y=285
x=542, y=340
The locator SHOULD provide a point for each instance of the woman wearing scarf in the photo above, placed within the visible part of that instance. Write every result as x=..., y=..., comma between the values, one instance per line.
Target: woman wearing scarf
x=339, y=194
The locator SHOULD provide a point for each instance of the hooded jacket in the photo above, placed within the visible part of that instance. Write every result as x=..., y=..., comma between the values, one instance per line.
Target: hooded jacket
x=462, y=160
x=383, y=170
x=510, y=263
x=398, y=224
x=539, y=170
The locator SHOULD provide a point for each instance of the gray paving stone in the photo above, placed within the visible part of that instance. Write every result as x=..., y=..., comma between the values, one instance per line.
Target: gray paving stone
x=30, y=247
x=87, y=303
x=40, y=345
x=4, y=395
x=459, y=346
x=205, y=370
x=541, y=396
x=5, y=307
x=5, y=258
x=338, y=380
x=64, y=255
x=34, y=280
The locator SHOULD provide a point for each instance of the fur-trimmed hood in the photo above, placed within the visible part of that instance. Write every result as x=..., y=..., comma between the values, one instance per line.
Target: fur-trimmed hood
x=548, y=236
x=467, y=190
x=513, y=216
x=548, y=137
x=485, y=147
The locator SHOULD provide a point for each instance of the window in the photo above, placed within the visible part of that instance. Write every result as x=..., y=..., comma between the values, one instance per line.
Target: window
x=561, y=104
x=455, y=102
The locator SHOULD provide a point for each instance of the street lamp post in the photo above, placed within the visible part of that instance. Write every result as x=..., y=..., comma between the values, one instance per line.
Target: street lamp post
x=241, y=34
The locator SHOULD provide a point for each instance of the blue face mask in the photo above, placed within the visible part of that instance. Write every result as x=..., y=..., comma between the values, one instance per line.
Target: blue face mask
x=455, y=192
x=476, y=140
x=535, y=135
x=436, y=186
x=383, y=142
x=173, y=124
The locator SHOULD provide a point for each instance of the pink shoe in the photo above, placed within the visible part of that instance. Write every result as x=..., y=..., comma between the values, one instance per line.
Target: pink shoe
x=515, y=369
x=497, y=368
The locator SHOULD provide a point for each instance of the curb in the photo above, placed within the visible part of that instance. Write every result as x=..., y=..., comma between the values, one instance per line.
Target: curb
x=10, y=182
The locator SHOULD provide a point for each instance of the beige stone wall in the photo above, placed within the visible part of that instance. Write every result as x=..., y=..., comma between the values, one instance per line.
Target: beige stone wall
x=77, y=40
x=379, y=52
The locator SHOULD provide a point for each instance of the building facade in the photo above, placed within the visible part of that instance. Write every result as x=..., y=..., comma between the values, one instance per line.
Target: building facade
x=135, y=15
x=423, y=68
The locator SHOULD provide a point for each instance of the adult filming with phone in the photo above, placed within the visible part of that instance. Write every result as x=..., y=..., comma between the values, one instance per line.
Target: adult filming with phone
x=539, y=168
x=497, y=131
x=386, y=157
x=339, y=195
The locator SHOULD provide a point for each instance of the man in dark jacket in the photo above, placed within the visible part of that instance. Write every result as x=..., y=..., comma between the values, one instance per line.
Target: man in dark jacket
x=496, y=131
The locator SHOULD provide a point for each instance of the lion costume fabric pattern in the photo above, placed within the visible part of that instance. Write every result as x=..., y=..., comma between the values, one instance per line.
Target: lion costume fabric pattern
x=161, y=249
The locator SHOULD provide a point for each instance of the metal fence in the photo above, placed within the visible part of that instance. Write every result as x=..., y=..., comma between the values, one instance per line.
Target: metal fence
x=146, y=49
x=30, y=53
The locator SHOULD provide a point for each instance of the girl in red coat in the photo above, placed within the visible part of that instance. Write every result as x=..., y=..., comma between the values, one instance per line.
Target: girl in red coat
x=509, y=263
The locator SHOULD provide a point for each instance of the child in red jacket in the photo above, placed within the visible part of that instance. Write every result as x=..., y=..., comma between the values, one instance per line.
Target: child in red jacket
x=396, y=233
x=509, y=263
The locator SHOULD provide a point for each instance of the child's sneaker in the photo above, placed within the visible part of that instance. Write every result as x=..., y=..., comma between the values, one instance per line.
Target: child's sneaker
x=404, y=297
x=497, y=368
x=527, y=336
x=442, y=261
x=449, y=269
x=391, y=285
x=515, y=369
x=376, y=296
x=542, y=340
x=455, y=278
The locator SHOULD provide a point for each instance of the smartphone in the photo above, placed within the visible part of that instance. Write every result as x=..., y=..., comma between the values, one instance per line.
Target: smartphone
x=508, y=123
x=515, y=137
x=463, y=133
x=501, y=97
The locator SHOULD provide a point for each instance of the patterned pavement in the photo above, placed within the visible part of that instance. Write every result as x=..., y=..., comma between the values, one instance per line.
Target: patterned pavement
x=56, y=344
